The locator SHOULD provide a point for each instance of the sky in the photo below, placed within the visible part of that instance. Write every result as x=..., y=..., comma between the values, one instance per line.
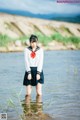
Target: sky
x=41, y=6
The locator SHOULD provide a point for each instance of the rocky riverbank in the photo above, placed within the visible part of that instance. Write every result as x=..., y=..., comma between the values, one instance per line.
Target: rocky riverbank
x=54, y=45
x=18, y=26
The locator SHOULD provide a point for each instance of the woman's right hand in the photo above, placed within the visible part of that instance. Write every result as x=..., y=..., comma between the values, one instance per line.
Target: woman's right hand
x=29, y=77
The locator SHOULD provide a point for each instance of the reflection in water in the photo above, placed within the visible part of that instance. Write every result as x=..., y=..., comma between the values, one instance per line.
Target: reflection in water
x=34, y=107
x=34, y=110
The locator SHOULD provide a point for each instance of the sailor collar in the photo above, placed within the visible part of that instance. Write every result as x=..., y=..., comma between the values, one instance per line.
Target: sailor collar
x=37, y=48
x=33, y=53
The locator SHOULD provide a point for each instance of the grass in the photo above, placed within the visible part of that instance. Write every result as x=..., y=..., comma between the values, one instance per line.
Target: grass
x=44, y=39
x=5, y=40
x=58, y=37
x=65, y=40
x=12, y=105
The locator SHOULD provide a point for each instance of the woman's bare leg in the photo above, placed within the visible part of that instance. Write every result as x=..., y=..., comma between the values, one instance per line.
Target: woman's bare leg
x=29, y=89
x=39, y=89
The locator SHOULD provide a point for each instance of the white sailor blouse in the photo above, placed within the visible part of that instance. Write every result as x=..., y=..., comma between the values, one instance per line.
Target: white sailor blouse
x=33, y=59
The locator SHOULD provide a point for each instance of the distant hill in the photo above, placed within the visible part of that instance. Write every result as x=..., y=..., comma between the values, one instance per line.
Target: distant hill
x=75, y=18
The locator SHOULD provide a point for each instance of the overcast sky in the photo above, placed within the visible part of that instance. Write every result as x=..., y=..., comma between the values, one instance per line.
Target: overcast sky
x=40, y=6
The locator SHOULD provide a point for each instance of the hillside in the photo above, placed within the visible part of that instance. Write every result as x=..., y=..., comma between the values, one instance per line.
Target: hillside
x=18, y=26
x=15, y=26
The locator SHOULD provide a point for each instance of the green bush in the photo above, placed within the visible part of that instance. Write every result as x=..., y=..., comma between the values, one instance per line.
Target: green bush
x=44, y=39
x=65, y=40
x=4, y=40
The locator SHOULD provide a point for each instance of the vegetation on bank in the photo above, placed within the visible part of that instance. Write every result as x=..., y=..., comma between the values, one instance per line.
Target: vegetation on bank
x=58, y=37
x=5, y=40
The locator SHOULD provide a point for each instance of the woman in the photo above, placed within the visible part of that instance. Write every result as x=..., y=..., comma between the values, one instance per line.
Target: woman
x=34, y=66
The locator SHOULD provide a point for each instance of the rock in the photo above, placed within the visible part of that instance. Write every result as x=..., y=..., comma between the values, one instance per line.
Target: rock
x=37, y=117
x=15, y=49
x=54, y=45
x=3, y=49
x=27, y=42
x=18, y=43
x=71, y=47
x=40, y=45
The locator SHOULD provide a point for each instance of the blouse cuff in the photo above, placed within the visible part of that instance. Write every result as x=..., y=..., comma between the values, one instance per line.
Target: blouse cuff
x=38, y=72
x=29, y=72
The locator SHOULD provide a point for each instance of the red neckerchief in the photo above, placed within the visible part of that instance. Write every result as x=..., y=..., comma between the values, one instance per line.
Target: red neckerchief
x=33, y=54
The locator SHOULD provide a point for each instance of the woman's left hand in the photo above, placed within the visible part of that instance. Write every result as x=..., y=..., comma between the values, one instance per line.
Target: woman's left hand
x=37, y=76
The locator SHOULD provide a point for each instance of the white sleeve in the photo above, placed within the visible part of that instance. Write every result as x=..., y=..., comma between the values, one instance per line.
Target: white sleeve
x=40, y=63
x=27, y=66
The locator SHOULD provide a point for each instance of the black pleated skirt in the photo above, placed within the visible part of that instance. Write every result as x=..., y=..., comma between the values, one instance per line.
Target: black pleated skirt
x=33, y=81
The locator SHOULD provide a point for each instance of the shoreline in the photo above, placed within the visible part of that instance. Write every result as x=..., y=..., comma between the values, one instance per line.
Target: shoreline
x=21, y=49
x=54, y=45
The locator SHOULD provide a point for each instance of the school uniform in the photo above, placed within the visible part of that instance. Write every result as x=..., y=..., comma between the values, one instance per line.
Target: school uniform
x=33, y=65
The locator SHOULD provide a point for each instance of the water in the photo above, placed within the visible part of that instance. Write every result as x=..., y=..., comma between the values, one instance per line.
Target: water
x=61, y=90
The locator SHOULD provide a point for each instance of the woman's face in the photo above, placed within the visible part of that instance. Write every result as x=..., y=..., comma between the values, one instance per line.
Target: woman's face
x=33, y=44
